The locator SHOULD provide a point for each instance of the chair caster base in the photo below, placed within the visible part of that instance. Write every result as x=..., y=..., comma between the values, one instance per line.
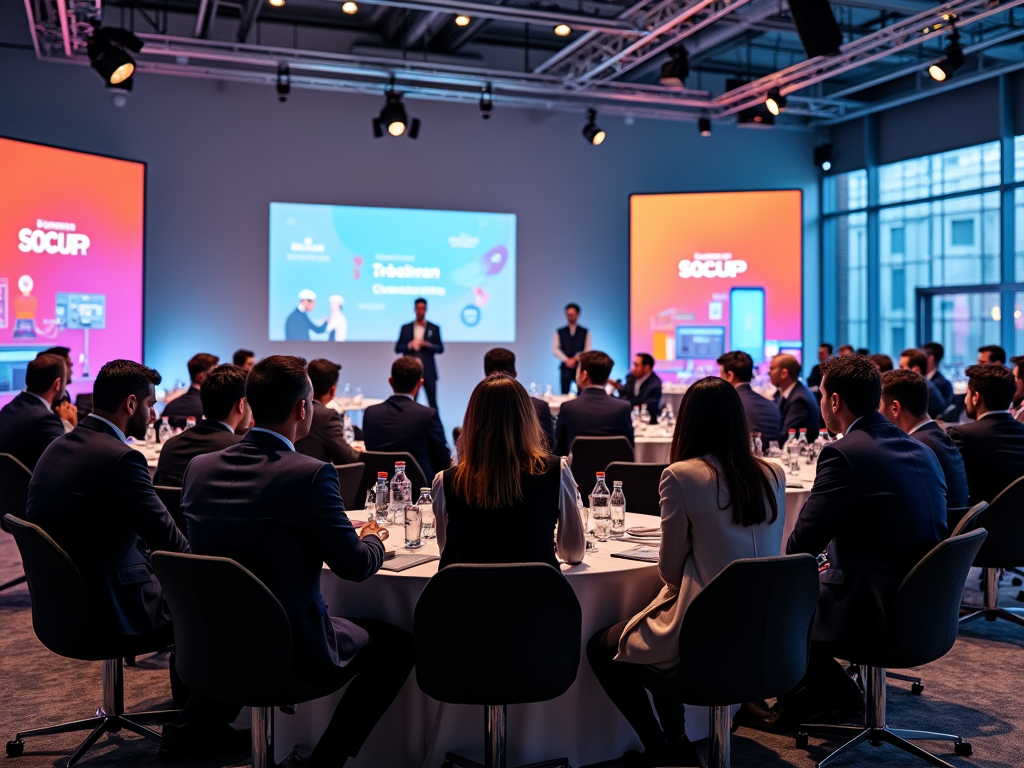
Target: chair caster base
x=917, y=688
x=15, y=748
x=963, y=748
x=801, y=740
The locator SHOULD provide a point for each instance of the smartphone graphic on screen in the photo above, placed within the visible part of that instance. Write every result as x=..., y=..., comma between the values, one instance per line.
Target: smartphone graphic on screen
x=746, y=322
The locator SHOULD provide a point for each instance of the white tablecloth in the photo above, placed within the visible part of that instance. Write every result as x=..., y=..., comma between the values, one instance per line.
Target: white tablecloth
x=341, y=405
x=581, y=724
x=555, y=402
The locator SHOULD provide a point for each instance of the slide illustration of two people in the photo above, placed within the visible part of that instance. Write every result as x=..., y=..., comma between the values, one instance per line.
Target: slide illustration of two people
x=299, y=323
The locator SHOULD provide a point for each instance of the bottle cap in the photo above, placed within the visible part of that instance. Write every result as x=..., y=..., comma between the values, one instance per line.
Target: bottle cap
x=399, y=465
x=600, y=474
x=424, y=490
x=792, y=431
x=617, y=483
x=382, y=474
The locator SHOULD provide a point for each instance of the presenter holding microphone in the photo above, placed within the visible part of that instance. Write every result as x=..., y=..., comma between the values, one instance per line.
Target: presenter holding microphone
x=422, y=340
x=569, y=342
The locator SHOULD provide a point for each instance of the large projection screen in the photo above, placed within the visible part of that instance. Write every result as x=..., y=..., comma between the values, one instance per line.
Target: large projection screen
x=366, y=266
x=71, y=259
x=712, y=272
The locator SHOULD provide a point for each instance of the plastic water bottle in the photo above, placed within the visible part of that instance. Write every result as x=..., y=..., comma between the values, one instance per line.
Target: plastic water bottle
x=190, y=422
x=150, y=436
x=756, y=444
x=426, y=505
x=533, y=389
x=380, y=497
x=599, y=511
x=370, y=507
x=617, y=507
x=401, y=494
x=822, y=439
x=347, y=429
x=165, y=432
x=645, y=415
x=791, y=451
x=801, y=442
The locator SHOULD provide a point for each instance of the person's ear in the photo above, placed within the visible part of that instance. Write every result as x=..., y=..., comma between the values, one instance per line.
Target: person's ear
x=391, y=382
x=131, y=404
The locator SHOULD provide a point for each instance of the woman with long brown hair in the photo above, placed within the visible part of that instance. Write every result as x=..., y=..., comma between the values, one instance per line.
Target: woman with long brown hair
x=504, y=499
x=718, y=504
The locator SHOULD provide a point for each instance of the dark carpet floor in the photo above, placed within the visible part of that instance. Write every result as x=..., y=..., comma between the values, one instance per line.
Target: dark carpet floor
x=977, y=690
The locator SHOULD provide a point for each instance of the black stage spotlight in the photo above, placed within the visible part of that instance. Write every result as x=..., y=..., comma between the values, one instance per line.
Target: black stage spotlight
x=108, y=54
x=284, y=82
x=823, y=156
x=591, y=132
x=486, y=103
x=953, y=61
x=392, y=117
x=704, y=126
x=675, y=71
x=776, y=102
x=817, y=27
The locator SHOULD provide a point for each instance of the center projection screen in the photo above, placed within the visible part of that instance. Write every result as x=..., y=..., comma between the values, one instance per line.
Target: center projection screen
x=366, y=267
x=712, y=272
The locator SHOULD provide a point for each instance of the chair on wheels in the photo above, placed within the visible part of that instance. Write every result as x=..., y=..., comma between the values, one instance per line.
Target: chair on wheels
x=171, y=497
x=210, y=598
x=468, y=616
x=923, y=628
x=641, y=484
x=381, y=461
x=14, y=480
x=61, y=621
x=591, y=455
x=350, y=476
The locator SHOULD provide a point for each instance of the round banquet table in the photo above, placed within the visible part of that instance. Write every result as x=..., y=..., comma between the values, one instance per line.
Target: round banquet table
x=582, y=724
x=555, y=402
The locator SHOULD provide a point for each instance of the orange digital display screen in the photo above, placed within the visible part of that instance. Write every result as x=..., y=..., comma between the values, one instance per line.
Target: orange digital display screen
x=712, y=272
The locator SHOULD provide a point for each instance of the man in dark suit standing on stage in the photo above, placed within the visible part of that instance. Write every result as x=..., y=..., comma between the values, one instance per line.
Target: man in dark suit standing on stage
x=189, y=403
x=279, y=514
x=594, y=413
x=798, y=408
x=642, y=387
x=422, y=340
x=400, y=424
x=326, y=439
x=504, y=361
x=28, y=423
x=569, y=342
x=904, y=403
x=993, y=445
x=762, y=414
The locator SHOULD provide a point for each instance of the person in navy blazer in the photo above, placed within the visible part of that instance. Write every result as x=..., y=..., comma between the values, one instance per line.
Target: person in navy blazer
x=504, y=361
x=400, y=424
x=649, y=390
x=798, y=408
x=424, y=348
x=905, y=404
x=934, y=353
x=189, y=403
x=762, y=414
x=878, y=505
x=280, y=514
x=27, y=423
x=594, y=413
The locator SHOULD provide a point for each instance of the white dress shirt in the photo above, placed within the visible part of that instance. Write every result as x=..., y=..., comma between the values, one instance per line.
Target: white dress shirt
x=556, y=345
x=784, y=393
x=290, y=445
x=570, y=542
x=117, y=431
x=639, y=383
x=418, y=331
x=918, y=426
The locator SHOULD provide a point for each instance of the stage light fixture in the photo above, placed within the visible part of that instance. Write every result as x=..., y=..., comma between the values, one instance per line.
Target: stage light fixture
x=108, y=54
x=284, y=82
x=675, y=71
x=823, y=156
x=952, y=62
x=393, y=117
x=775, y=102
x=591, y=132
x=486, y=102
x=276, y=3
x=563, y=30
x=704, y=126
x=349, y=7
x=461, y=20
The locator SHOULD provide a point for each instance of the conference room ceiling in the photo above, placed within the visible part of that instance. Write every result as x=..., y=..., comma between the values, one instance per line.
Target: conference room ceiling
x=610, y=60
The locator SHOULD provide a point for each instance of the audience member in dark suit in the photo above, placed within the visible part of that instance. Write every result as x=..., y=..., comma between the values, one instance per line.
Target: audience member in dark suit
x=878, y=505
x=223, y=395
x=190, y=403
x=762, y=414
x=935, y=352
x=500, y=360
x=594, y=413
x=280, y=514
x=1016, y=409
x=904, y=403
x=990, y=354
x=917, y=361
x=824, y=353
x=401, y=424
x=422, y=340
x=244, y=359
x=798, y=408
x=326, y=438
x=882, y=362
x=993, y=445
x=63, y=406
x=28, y=423
x=642, y=387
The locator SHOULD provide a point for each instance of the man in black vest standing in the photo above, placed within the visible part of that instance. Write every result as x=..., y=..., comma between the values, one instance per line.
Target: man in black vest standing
x=569, y=342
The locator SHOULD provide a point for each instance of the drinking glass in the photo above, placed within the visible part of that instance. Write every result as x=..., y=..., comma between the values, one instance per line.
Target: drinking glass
x=413, y=526
x=602, y=522
x=773, y=449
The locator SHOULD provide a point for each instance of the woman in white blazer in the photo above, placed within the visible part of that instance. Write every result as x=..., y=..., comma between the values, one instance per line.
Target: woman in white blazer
x=718, y=504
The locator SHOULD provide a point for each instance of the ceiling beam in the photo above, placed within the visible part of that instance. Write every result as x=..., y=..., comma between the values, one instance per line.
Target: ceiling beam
x=250, y=10
x=516, y=14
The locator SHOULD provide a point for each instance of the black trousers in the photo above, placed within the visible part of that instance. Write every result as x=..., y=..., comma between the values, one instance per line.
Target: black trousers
x=568, y=377
x=825, y=684
x=627, y=685
x=430, y=390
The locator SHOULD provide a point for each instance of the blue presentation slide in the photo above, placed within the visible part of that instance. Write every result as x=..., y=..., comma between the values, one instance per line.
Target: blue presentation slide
x=346, y=273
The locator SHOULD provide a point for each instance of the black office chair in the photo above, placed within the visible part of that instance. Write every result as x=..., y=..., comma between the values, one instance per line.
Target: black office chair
x=1004, y=548
x=380, y=461
x=728, y=656
x=923, y=627
x=350, y=476
x=14, y=480
x=641, y=485
x=495, y=635
x=61, y=619
x=171, y=497
x=591, y=455
x=210, y=598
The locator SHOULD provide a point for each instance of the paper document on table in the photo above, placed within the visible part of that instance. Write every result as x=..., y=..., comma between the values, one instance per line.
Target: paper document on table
x=644, y=552
x=402, y=562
